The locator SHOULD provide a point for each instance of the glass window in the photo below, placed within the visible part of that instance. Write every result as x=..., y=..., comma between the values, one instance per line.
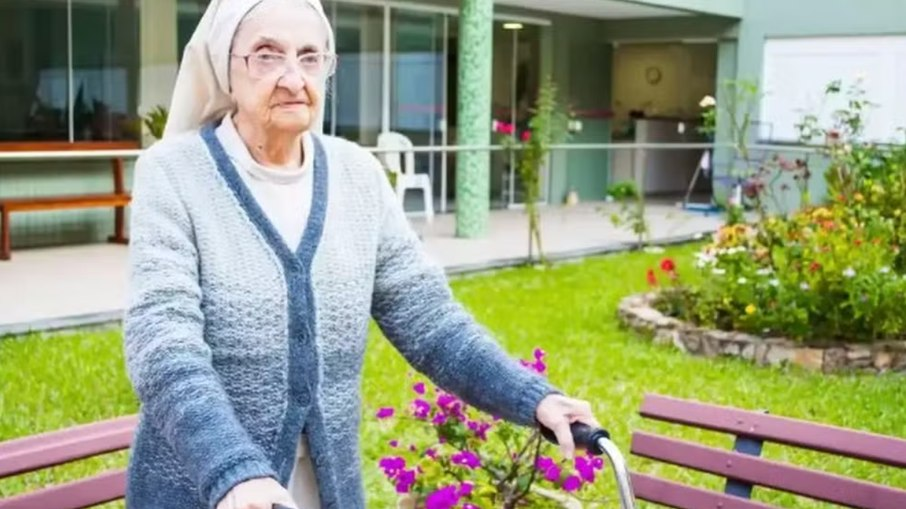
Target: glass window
x=188, y=14
x=34, y=88
x=105, y=71
x=354, y=106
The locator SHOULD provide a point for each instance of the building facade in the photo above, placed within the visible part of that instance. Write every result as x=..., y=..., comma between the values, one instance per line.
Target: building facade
x=80, y=73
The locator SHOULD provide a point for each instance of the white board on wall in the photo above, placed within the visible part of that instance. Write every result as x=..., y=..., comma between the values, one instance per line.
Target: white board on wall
x=797, y=71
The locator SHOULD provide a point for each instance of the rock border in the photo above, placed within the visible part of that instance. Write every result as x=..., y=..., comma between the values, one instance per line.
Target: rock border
x=637, y=313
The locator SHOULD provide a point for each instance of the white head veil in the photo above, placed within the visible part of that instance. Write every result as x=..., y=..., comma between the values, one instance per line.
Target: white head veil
x=202, y=91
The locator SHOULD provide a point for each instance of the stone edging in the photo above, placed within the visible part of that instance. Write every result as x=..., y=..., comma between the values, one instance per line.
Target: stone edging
x=637, y=313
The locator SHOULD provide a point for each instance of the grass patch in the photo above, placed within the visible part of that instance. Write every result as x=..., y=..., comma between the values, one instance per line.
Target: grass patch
x=59, y=381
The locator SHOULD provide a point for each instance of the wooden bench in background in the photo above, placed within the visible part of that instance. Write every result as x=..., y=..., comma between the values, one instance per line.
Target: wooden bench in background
x=743, y=469
x=118, y=198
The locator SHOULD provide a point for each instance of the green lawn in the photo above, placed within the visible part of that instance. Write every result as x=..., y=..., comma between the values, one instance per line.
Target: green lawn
x=569, y=311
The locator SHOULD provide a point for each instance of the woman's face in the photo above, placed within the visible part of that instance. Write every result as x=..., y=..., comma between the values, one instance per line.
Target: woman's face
x=279, y=65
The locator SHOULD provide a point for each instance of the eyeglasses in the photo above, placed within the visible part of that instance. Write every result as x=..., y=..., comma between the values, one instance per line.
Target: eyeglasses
x=267, y=64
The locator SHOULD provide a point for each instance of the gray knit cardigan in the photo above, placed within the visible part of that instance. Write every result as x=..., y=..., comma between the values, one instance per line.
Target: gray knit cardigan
x=236, y=343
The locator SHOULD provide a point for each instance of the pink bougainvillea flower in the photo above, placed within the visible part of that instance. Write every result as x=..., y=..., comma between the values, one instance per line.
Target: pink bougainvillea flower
x=442, y=498
x=385, y=413
x=467, y=459
x=421, y=409
x=419, y=388
x=572, y=483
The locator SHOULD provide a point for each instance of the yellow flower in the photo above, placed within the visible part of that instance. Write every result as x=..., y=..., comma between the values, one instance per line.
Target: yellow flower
x=858, y=197
x=751, y=309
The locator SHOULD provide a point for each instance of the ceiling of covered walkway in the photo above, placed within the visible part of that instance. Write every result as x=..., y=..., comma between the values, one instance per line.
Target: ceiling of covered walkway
x=628, y=9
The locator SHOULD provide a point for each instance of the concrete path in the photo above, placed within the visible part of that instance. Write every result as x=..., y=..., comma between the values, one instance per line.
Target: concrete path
x=43, y=289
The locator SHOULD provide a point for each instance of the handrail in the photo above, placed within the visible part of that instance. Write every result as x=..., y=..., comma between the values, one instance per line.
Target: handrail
x=41, y=155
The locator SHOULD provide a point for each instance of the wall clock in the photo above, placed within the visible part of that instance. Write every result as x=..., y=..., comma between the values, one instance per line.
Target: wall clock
x=653, y=75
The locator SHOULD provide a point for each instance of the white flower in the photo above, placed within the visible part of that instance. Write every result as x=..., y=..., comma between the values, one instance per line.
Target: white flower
x=884, y=270
x=763, y=272
x=719, y=272
x=707, y=102
x=742, y=280
x=774, y=282
x=850, y=273
x=804, y=286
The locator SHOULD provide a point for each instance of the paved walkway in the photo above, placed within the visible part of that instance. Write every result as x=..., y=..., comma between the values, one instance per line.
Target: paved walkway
x=69, y=286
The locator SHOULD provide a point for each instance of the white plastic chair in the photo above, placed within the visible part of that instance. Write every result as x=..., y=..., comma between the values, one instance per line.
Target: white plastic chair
x=400, y=159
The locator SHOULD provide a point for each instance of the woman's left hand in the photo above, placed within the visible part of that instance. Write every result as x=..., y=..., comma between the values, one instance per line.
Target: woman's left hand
x=557, y=412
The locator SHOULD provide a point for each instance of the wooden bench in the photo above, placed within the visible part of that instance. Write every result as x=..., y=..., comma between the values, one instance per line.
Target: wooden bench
x=30, y=454
x=743, y=469
x=117, y=199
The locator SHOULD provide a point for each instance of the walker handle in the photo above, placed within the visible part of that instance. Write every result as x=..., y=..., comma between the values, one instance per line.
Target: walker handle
x=584, y=436
x=597, y=442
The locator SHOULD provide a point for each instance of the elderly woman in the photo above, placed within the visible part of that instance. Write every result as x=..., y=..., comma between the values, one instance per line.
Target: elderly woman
x=261, y=249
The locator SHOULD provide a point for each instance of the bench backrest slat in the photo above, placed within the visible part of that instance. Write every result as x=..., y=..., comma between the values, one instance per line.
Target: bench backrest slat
x=57, y=447
x=91, y=492
x=817, y=485
x=679, y=496
x=782, y=430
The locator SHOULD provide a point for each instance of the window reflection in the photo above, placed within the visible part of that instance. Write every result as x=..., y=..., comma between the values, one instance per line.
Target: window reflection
x=105, y=70
x=34, y=90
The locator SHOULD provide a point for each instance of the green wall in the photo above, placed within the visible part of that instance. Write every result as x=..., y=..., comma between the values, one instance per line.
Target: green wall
x=582, y=67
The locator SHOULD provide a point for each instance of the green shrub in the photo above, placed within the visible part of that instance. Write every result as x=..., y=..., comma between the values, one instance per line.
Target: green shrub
x=830, y=272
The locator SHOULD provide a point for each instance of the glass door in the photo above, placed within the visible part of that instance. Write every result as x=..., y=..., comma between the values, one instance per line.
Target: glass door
x=517, y=77
x=418, y=89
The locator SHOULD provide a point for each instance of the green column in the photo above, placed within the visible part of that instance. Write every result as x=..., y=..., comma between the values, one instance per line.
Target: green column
x=476, y=33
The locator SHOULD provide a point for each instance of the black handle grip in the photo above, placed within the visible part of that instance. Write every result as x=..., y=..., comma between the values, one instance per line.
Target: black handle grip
x=584, y=437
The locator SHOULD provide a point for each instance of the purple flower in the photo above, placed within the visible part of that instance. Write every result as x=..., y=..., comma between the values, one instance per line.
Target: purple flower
x=443, y=498
x=465, y=489
x=431, y=453
x=419, y=388
x=552, y=474
x=421, y=409
x=405, y=481
x=470, y=506
x=385, y=413
x=539, y=354
x=598, y=463
x=585, y=468
x=544, y=463
x=480, y=429
x=392, y=465
x=572, y=483
x=467, y=459
x=394, y=443
x=451, y=406
x=412, y=448
x=439, y=420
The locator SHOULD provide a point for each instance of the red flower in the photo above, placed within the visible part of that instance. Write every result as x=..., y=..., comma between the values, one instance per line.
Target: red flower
x=526, y=136
x=858, y=242
x=668, y=265
x=814, y=267
x=652, y=278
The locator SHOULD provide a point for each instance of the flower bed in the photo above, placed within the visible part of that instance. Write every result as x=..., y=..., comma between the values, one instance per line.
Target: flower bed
x=639, y=313
x=828, y=278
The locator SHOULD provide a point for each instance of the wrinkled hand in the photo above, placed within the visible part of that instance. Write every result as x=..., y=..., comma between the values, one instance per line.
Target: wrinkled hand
x=557, y=412
x=260, y=493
